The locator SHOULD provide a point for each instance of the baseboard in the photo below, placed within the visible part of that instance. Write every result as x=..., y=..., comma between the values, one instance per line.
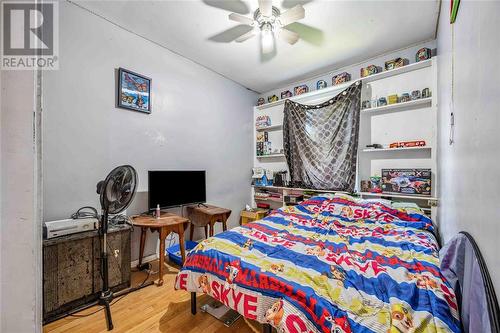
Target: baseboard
x=145, y=259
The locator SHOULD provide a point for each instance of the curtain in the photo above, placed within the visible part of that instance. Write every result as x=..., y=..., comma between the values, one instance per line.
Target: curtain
x=321, y=141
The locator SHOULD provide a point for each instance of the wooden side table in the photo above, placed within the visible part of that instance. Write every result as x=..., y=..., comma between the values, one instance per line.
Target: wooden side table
x=166, y=224
x=247, y=216
x=203, y=216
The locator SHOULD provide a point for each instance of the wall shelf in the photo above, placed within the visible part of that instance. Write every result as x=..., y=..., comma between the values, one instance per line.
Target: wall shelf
x=398, y=106
x=270, y=128
x=271, y=199
x=272, y=156
x=362, y=194
x=327, y=91
x=296, y=189
x=398, y=195
x=376, y=150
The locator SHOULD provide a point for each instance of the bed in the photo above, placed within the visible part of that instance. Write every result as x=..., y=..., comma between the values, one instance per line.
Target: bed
x=334, y=263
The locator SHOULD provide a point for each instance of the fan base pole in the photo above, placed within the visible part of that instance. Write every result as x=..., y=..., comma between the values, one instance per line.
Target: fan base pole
x=106, y=294
x=104, y=300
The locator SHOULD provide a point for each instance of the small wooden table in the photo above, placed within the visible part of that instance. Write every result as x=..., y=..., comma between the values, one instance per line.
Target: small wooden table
x=207, y=215
x=166, y=224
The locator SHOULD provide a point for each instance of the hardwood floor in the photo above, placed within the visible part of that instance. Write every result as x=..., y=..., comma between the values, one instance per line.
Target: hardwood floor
x=152, y=309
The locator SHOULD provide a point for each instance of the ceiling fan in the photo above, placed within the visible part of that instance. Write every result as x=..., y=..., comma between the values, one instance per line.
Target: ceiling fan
x=270, y=22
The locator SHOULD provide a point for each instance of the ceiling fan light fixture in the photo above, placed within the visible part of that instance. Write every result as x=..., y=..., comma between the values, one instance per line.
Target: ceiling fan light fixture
x=267, y=37
x=271, y=23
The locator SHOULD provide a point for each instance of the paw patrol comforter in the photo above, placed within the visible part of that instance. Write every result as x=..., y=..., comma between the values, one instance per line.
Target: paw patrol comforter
x=331, y=264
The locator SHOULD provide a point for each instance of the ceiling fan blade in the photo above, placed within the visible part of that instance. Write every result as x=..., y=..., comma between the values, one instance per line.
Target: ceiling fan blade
x=307, y=33
x=240, y=18
x=266, y=7
x=231, y=34
x=292, y=3
x=289, y=36
x=244, y=37
x=236, y=6
x=292, y=15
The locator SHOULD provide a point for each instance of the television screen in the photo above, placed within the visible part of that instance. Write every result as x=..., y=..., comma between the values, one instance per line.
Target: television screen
x=175, y=188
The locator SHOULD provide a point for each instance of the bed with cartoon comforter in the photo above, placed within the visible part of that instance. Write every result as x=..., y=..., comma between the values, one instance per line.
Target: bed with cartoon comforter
x=331, y=264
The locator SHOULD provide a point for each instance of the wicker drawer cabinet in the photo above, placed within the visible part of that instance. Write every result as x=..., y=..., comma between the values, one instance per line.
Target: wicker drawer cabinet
x=71, y=269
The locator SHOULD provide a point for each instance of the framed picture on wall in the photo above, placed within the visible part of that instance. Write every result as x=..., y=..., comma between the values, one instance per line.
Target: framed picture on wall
x=134, y=91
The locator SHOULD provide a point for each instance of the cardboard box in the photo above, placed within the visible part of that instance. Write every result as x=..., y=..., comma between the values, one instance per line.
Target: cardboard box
x=407, y=181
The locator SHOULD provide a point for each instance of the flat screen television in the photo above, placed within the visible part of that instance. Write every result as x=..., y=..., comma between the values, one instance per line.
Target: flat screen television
x=176, y=188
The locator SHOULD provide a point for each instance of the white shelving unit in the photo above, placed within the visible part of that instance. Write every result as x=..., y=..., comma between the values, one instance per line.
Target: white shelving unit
x=407, y=121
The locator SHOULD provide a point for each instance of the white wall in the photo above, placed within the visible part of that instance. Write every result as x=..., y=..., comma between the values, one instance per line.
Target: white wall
x=1, y=194
x=19, y=275
x=469, y=191
x=199, y=120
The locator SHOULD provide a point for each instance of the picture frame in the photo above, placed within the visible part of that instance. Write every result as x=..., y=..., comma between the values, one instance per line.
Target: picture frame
x=133, y=91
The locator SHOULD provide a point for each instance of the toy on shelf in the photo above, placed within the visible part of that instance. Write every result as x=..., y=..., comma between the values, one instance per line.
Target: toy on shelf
x=426, y=92
x=415, y=94
x=395, y=63
x=408, y=144
x=392, y=99
x=268, y=150
x=262, y=177
x=423, y=54
x=273, y=98
x=259, y=149
x=263, y=205
x=321, y=84
x=293, y=199
x=407, y=181
x=370, y=70
x=365, y=186
x=365, y=105
x=262, y=122
x=375, y=184
x=280, y=178
x=261, y=101
x=286, y=94
x=405, y=97
x=341, y=78
x=375, y=146
x=382, y=101
x=302, y=89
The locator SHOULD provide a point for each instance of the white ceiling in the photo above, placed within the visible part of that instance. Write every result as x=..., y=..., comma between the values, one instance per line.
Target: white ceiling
x=336, y=34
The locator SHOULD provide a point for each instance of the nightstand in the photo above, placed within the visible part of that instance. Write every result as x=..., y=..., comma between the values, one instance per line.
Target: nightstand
x=247, y=216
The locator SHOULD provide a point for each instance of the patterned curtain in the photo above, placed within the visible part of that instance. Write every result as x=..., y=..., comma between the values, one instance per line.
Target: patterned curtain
x=321, y=141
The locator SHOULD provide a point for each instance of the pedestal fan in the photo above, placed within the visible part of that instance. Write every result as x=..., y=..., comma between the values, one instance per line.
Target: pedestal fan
x=117, y=192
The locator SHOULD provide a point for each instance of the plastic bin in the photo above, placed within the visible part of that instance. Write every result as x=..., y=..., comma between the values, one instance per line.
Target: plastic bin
x=174, y=252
